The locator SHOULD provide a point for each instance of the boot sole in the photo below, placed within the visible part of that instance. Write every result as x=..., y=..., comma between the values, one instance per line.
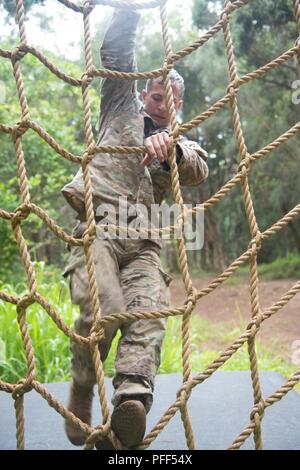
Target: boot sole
x=128, y=422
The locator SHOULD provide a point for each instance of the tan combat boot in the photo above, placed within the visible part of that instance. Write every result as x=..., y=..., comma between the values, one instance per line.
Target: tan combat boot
x=80, y=404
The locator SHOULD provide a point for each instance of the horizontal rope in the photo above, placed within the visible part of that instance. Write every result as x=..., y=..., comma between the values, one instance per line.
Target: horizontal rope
x=113, y=3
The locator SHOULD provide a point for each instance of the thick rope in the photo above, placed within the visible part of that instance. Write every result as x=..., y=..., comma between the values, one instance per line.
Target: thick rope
x=183, y=263
x=233, y=91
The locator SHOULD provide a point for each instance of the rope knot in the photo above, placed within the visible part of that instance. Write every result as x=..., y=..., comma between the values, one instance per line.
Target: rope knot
x=245, y=164
x=97, y=435
x=259, y=319
x=254, y=325
x=21, y=213
x=88, y=7
x=97, y=331
x=91, y=71
x=23, y=386
x=228, y=9
x=89, y=235
x=258, y=411
x=91, y=150
x=25, y=302
x=20, y=128
x=86, y=157
x=233, y=88
x=19, y=52
x=191, y=301
x=168, y=65
x=225, y=14
x=87, y=77
x=256, y=243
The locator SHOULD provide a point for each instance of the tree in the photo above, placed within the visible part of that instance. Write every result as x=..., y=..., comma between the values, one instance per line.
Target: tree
x=261, y=31
x=57, y=107
x=9, y=6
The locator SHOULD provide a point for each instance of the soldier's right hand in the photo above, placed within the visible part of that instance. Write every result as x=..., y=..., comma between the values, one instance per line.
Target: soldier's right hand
x=158, y=147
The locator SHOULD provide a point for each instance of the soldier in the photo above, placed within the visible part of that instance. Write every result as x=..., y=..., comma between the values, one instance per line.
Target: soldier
x=128, y=271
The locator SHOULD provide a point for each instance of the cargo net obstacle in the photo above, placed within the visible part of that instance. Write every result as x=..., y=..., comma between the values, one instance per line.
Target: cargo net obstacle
x=26, y=208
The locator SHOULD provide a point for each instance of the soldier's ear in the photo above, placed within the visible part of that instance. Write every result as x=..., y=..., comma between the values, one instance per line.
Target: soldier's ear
x=144, y=94
x=179, y=106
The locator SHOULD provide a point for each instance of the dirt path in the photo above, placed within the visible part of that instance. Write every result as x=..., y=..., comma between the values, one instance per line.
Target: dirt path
x=231, y=304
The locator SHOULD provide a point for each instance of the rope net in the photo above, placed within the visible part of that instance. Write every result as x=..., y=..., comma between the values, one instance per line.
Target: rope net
x=193, y=296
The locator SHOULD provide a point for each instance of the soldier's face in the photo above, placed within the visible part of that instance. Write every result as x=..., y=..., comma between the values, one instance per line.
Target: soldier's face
x=155, y=103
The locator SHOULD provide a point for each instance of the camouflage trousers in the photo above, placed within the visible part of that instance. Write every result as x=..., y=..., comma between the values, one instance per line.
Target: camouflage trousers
x=129, y=278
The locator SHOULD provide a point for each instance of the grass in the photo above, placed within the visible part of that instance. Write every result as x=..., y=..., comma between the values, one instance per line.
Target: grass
x=281, y=268
x=52, y=346
x=209, y=340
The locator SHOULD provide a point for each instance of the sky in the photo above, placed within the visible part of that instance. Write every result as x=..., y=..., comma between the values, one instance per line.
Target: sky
x=67, y=26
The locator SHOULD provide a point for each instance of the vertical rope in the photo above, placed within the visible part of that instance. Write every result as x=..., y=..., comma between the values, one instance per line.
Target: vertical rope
x=233, y=90
x=25, y=256
x=86, y=79
x=88, y=239
x=27, y=344
x=20, y=422
x=15, y=58
x=181, y=245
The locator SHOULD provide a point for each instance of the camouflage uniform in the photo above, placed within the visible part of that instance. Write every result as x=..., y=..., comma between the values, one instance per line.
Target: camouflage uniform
x=128, y=272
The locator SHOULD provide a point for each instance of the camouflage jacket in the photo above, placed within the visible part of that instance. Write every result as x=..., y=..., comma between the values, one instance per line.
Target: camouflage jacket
x=123, y=122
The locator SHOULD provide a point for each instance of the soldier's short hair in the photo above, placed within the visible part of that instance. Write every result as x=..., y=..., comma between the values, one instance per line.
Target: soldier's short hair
x=176, y=79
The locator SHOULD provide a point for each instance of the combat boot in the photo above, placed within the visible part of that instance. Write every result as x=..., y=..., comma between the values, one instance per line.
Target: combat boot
x=128, y=421
x=80, y=404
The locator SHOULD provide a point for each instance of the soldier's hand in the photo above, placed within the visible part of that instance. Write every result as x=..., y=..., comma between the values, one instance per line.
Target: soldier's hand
x=158, y=147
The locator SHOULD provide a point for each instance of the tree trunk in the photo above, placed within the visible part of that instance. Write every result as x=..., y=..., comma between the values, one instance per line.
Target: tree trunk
x=171, y=256
x=213, y=258
x=212, y=254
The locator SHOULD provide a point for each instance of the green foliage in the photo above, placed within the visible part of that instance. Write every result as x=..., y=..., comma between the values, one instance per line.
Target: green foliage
x=9, y=6
x=261, y=31
x=281, y=268
x=57, y=107
x=256, y=25
x=203, y=13
x=50, y=345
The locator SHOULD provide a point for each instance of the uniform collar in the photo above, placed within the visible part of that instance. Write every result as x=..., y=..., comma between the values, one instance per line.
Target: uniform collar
x=149, y=125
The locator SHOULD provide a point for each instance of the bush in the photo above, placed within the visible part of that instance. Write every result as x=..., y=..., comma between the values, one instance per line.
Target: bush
x=281, y=268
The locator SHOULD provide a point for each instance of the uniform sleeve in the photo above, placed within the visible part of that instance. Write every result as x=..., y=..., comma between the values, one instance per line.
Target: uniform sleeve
x=118, y=53
x=192, y=169
x=192, y=166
